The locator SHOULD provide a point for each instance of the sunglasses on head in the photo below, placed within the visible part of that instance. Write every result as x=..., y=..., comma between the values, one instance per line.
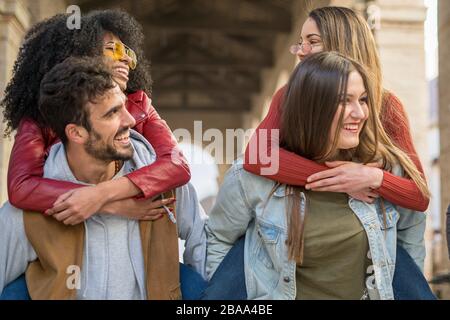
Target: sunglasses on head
x=118, y=51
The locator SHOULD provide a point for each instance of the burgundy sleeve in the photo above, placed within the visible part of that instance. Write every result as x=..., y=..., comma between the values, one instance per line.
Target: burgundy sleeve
x=27, y=189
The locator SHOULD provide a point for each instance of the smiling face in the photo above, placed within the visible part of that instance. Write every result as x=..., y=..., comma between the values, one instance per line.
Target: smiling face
x=356, y=112
x=120, y=67
x=109, y=137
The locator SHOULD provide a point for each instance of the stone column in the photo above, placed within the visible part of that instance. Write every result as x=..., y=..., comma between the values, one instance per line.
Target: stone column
x=443, y=264
x=14, y=21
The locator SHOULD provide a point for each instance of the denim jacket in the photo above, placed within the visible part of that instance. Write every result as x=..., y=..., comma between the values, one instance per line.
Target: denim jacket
x=244, y=206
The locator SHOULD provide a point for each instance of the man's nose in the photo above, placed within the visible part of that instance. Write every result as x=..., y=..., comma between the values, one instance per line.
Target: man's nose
x=127, y=119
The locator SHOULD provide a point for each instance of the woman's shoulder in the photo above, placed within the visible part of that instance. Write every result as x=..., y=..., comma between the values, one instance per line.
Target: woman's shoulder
x=30, y=126
x=279, y=94
x=251, y=183
x=31, y=130
x=138, y=104
x=28, y=123
x=237, y=168
x=393, y=113
x=392, y=103
x=137, y=96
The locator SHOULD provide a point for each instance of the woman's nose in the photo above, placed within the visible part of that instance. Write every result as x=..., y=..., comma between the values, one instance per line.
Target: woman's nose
x=126, y=59
x=358, y=111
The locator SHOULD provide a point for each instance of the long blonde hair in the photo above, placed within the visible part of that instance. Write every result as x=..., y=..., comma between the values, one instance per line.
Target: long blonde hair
x=345, y=31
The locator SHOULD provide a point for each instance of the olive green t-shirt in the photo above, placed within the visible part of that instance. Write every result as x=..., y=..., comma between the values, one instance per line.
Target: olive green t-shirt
x=335, y=257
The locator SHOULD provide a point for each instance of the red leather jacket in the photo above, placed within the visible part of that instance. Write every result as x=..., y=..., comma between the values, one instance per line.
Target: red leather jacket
x=28, y=190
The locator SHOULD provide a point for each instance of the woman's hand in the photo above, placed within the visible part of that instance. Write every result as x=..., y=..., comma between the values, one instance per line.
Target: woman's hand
x=77, y=205
x=367, y=195
x=357, y=180
x=80, y=204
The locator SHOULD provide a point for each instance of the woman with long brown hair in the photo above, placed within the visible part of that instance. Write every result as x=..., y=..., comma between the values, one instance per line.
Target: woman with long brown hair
x=301, y=244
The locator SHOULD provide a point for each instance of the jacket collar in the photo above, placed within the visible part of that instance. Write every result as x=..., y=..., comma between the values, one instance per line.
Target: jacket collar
x=138, y=105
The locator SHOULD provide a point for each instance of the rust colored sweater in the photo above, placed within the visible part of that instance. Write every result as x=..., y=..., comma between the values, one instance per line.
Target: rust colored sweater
x=294, y=169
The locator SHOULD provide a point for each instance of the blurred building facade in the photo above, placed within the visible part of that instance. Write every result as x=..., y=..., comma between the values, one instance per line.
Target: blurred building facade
x=221, y=61
x=442, y=258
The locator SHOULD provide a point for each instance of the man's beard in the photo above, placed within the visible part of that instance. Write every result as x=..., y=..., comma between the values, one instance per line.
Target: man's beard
x=102, y=151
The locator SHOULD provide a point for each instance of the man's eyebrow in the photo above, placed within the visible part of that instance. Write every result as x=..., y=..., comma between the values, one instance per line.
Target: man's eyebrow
x=111, y=110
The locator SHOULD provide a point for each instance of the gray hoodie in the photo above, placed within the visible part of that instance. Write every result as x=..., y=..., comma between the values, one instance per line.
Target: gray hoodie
x=113, y=262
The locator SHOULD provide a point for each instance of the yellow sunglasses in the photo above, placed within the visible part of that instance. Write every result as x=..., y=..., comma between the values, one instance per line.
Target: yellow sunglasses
x=117, y=51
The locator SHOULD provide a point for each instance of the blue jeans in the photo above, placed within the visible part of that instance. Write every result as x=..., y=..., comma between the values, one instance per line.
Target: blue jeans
x=228, y=282
x=192, y=283
x=16, y=290
x=409, y=282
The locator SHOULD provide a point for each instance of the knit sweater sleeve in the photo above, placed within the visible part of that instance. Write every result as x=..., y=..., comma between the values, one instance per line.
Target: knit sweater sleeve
x=292, y=168
x=401, y=191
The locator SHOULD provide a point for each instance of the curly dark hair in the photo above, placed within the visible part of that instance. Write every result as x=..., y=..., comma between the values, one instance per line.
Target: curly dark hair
x=50, y=42
x=68, y=87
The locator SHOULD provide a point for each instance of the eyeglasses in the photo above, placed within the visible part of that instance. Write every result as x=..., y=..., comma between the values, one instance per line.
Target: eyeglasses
x=304, y=47
x=117, y=51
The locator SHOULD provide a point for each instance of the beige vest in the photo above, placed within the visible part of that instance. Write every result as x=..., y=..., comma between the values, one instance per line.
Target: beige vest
x=59, y=246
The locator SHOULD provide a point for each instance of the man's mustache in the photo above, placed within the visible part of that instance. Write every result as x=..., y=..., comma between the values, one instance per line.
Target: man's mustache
x=121, y=131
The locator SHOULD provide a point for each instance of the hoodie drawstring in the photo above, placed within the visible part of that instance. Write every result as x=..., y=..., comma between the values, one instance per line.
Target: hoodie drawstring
x=86, y=246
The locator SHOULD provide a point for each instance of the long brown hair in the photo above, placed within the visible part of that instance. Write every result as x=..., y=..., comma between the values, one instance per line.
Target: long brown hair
x=311, y=101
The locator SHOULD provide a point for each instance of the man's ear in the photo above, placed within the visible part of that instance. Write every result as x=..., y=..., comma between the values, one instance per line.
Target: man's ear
x=76, y=134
